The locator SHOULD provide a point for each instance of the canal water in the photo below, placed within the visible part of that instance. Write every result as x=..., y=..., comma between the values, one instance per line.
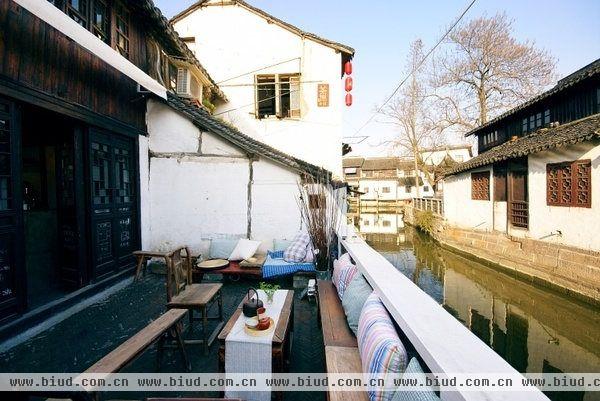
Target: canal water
x=535, y=329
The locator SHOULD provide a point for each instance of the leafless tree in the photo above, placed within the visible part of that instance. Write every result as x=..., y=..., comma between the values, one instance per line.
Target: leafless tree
x=485, y=71
x=409, y=113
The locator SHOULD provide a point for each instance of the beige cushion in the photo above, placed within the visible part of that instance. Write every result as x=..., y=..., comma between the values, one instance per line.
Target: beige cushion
x=255, y=261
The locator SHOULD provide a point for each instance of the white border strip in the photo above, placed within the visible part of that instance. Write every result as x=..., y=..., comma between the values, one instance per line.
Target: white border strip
x=60, y=21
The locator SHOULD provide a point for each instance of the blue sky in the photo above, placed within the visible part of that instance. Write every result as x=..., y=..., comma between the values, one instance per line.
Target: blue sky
x=381, y=32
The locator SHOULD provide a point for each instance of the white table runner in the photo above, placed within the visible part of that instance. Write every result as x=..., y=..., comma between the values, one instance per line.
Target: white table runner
x=249, y=354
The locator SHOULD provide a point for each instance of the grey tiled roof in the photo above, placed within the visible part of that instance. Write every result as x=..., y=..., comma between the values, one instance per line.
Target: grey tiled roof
x=338, y=46
x=353, y=161
x=590, y=70
x=162, y=28
x=581, y=130
x=203, y=120
x=387, y=163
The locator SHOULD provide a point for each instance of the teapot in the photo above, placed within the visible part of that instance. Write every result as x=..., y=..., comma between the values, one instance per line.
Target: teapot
x=251, y=305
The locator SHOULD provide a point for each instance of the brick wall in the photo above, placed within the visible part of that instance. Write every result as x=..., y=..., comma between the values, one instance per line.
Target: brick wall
x=567, y=269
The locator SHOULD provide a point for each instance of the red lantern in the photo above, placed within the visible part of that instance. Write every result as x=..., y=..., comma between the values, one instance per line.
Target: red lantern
x=348, y=99
x=349, y=84
x=348, y=67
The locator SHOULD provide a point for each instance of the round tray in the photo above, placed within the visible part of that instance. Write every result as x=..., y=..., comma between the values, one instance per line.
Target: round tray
x=212, y=264
x=260, y=333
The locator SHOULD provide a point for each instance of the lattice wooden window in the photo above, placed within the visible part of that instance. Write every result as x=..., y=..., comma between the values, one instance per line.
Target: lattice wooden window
x=480, y=185
x=569, y=184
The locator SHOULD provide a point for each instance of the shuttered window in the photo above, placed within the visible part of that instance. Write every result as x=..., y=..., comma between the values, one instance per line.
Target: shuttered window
x=480, y=185
x=569, y=184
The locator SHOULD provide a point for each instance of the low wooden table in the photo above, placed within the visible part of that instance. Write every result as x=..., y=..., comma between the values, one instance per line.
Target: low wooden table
x=233, y=270
x=282, y=340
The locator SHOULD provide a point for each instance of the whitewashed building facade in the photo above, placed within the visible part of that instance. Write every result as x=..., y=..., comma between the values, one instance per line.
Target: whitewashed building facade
x=284, y=85
x=538, y=170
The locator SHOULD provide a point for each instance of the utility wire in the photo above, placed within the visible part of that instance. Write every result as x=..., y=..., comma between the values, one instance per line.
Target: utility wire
x=259, y=69
x=415, y=69
x=259, y=101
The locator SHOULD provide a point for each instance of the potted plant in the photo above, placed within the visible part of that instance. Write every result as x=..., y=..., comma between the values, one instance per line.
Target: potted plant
x=320, y=211
x=269, y=290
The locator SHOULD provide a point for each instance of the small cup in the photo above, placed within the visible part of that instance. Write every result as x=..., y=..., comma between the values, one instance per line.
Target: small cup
x=260, y=313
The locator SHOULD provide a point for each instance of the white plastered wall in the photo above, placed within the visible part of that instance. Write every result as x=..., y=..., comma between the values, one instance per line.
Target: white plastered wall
x=579, y=226
x=246, y=42
x=462, y=211
x=195, y=188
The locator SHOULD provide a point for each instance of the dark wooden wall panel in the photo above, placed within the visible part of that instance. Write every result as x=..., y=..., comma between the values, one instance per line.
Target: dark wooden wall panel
x=38, y=56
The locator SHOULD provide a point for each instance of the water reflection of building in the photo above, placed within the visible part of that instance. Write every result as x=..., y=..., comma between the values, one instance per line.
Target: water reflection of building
x=534, y=329
x=369, y=223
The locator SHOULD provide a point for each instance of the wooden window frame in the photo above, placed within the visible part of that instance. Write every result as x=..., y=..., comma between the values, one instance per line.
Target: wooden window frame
x=556, y=171
x=480, y=185
x=102, y=34
x=293, y=80
x=118, y=8
x=74, y=13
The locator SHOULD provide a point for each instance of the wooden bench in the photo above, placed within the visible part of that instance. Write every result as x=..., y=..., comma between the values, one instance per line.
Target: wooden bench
x=158, y=330
x=341, y=348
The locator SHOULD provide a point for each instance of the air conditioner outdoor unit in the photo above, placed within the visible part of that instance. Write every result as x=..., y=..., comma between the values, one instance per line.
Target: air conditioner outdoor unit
x=187, y=84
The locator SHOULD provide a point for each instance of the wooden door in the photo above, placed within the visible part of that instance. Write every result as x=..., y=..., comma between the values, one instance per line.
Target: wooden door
x=71, y=208
x=113, y=217
x=518, y=194
x=12, y=268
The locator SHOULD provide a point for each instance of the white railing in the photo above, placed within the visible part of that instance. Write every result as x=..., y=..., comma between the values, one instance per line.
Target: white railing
x=434, y=205
x=443, y=342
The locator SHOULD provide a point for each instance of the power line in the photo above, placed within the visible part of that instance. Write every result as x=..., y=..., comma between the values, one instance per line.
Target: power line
x=416, y=68
x=258, y=69
x=259, y=101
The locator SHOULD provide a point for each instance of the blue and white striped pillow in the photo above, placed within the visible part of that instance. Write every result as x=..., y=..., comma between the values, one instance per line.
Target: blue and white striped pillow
x=380, y=348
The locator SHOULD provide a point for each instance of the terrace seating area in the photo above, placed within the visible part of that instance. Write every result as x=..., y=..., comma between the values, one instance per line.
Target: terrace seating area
x=359, y=324
x=94, y=338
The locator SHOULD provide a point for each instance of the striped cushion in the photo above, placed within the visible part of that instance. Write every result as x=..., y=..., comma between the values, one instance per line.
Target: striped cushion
x=339, y=266
x=424, y=393
x=381, y=350
x=346, y=275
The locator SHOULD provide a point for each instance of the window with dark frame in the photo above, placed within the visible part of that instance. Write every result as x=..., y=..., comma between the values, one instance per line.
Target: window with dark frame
x=96, y=17
x=122, y=29
x=480, y=185
x=78, y=11
x=387, y=223
x=385, y=190
x=547, y=117
x=101, y=20
x=265, y=96
x=569, y=184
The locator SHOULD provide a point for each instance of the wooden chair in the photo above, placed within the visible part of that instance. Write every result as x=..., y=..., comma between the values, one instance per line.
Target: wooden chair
x=182, y=293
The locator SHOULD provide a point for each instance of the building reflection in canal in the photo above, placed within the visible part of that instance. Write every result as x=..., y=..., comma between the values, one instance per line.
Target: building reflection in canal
x=536, y=330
